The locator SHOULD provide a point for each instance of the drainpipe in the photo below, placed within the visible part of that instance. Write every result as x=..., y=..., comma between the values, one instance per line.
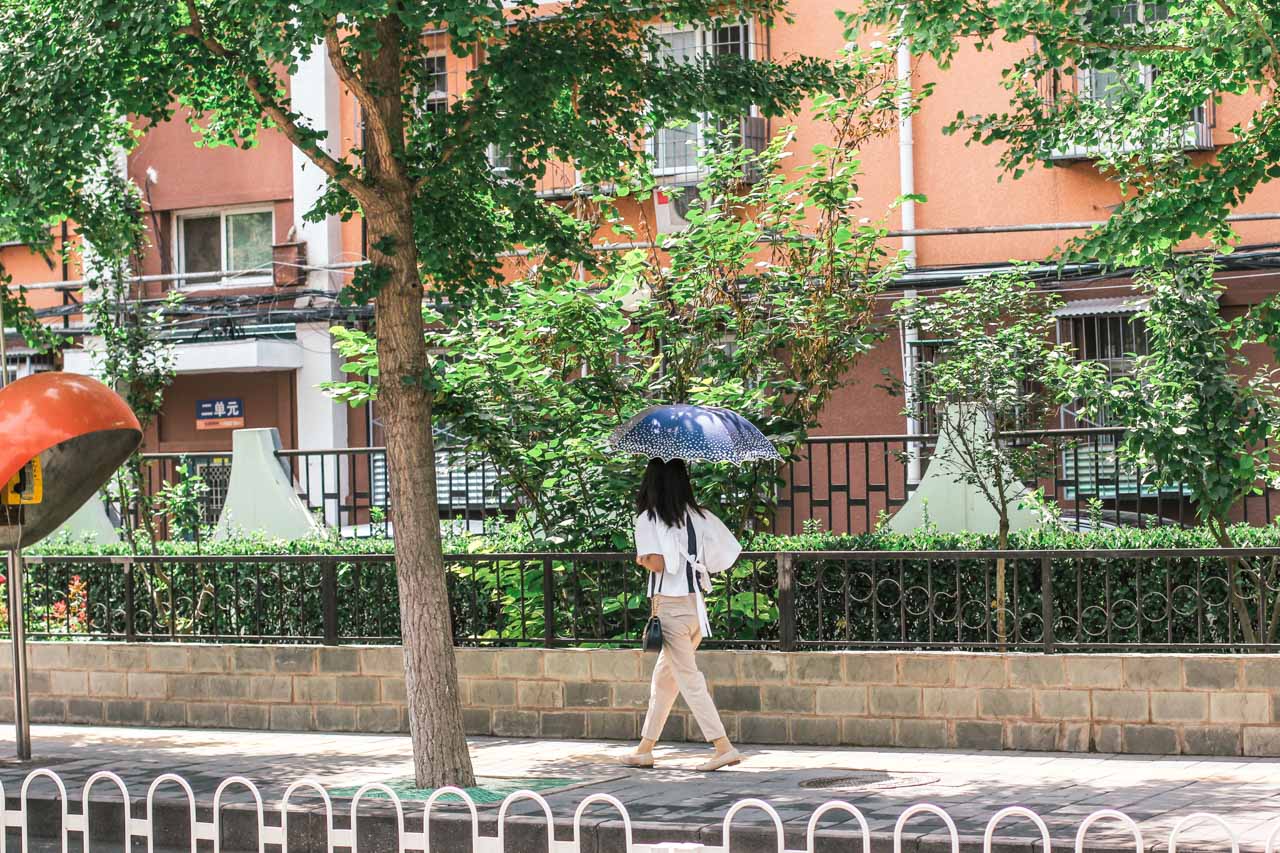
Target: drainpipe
x=906, y=156
x=914, y=425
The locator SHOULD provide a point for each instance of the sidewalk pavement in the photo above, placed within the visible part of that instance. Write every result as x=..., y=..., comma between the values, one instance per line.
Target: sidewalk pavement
x=676, y=803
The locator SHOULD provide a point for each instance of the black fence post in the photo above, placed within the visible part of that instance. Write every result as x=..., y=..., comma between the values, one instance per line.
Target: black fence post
x=786, y=602
x=329, y=594
x=1046, y=601
x=548, y=603
x=130, y=623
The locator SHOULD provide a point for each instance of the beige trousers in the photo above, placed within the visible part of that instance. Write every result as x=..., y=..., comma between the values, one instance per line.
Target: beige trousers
x=677, y=672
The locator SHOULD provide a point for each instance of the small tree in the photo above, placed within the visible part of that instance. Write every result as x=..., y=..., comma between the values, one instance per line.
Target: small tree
x=182, y=500
x=999, y=371
x=766, y=302
x=762, y=305
x=534, y=379
x=1194, y=412
x=132, y=357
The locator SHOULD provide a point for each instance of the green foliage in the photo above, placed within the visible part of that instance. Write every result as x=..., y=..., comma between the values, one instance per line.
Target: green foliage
x=536, y=374
x=132, y=357
x=18, y=314
x=1194, y=412
x=501, y=599
x=1157, y=66
x=181, y=500
x=998, y=371
x=513, y=540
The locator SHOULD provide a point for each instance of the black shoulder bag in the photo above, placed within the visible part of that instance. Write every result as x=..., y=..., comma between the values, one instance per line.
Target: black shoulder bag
x=651, y=640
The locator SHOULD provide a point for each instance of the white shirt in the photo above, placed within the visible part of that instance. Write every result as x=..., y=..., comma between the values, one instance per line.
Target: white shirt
x=717, y=549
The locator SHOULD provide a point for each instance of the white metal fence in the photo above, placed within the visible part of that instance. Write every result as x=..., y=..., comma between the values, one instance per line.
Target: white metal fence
x=145, y=827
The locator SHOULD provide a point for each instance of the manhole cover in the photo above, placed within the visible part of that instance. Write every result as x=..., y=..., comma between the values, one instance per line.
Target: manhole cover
x=870, y=780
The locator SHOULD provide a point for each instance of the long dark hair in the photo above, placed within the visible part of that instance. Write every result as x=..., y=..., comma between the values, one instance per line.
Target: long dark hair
x=666, y=493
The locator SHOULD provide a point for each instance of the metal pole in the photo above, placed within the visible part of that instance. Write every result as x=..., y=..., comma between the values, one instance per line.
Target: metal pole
x=4, y=355
x=17, y=618
x=18, y=633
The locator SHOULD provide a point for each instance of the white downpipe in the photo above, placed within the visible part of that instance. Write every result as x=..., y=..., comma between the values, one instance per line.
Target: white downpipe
x=914, y=424
x=906, y=152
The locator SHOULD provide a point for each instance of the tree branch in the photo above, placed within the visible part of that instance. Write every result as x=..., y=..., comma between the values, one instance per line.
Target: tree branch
x=278, y=112
x=1260, y=21
x=379, y=133
x=1120, y=47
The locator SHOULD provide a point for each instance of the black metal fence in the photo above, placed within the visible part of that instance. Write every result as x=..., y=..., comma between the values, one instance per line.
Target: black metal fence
x=351, y=491
x=1211, y=599
x=846, y=484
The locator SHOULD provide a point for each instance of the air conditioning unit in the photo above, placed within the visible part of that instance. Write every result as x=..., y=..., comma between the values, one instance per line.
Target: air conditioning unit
x=671, y=206
x=288, y=262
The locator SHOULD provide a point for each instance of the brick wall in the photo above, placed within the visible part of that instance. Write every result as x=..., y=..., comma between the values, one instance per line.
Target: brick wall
x=1165, y=704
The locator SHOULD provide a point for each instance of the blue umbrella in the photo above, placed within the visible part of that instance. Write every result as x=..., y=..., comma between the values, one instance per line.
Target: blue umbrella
x=692, y=433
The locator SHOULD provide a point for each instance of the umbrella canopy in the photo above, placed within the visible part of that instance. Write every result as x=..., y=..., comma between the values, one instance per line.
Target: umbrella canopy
x=692, y=433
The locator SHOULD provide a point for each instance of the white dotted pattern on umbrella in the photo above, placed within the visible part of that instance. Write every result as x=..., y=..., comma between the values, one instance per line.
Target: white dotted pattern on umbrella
x=692, y=433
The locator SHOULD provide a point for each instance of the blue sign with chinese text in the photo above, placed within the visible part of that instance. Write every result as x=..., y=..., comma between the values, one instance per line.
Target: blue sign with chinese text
x=222, y=413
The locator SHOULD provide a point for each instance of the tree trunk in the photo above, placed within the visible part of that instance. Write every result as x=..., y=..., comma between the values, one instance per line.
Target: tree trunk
x=1002, y=543
x=440, y=755
x=1243, y=616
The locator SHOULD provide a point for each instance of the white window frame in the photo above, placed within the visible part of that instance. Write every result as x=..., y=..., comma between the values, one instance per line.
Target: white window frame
x=1198, y=135
x=438, y=97
x=179, y=255
x=704, y=46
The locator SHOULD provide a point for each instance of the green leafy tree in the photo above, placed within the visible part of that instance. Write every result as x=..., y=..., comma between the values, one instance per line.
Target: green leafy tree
x=1151, y=66
x=131, y=355
x=1197, y=414
x=999, y=371
x=580, y=85
x=534, y=378
x=182, y=500
x=762, y=305
x=767, y=300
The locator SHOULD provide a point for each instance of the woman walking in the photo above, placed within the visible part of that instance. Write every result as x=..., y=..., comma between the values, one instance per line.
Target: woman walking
x=679, y=542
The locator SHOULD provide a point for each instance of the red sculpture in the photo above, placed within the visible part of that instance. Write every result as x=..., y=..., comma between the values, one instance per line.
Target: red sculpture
x=78, y=429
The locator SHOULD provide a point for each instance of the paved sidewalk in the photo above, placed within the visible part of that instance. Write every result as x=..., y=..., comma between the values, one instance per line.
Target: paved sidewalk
x=674, y=802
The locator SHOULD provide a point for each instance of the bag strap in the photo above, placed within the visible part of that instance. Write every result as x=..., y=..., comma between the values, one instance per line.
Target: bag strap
x=655, y=587
x=693, y=552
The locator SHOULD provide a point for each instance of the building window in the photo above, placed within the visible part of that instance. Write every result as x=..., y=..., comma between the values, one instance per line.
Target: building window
x=501, y=161
x=226, y=241
x=20, y=362
x=1108, y=86
x=1110, y=335
x=675, y=148
x=436, y=78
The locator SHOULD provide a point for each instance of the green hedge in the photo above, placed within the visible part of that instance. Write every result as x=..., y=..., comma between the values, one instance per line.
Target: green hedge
x=510, y=541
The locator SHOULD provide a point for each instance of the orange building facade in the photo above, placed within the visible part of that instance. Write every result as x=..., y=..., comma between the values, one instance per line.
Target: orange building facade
x=225, y=227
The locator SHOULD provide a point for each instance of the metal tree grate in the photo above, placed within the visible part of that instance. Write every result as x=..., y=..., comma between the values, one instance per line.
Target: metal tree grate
x=870, y=780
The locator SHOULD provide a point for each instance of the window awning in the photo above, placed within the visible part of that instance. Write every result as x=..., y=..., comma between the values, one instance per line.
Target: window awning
x=1106, y=306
